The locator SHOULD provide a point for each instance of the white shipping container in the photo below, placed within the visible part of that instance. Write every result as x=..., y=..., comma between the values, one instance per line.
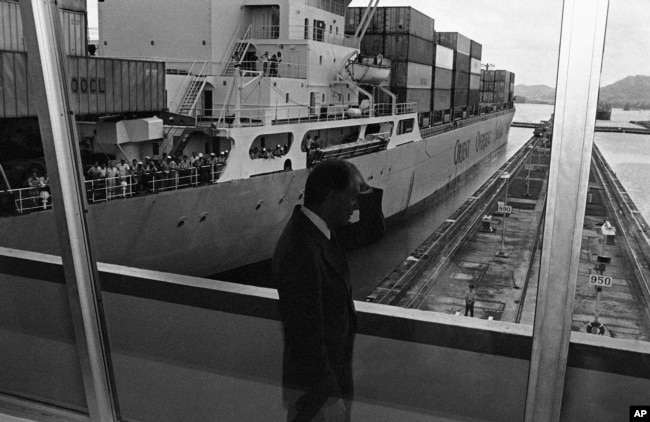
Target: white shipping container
x=444, y=57
x=475, y=66
x=474, y=82
x=419, y=76
x=11, y=27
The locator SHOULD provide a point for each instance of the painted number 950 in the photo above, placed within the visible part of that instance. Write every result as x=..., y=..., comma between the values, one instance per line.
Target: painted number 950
x=600, y=280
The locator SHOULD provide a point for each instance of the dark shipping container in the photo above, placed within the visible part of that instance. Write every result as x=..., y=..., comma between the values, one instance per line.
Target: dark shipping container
x=500, y=75
x=461, y=80
x=454, y=40
x=461, y=62
x=411, y=75
x=476, y=50
x=459, y=98
x=441, y=99
x=443, y=78
x=393, y=20
x=413, y=95
x=474, y=97
x=399, y=47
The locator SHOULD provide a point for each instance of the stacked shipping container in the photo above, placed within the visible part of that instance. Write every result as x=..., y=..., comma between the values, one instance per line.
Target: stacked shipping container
x=440, y=71
x=474, y=97
x=498, y=87
x=406, y=37
x=443, y=83
x=460, y=45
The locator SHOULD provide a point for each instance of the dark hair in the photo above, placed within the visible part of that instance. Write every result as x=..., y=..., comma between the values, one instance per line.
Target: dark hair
x=328, y=175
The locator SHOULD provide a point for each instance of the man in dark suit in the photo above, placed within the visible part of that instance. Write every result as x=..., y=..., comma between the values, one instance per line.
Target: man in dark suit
x=311, y=273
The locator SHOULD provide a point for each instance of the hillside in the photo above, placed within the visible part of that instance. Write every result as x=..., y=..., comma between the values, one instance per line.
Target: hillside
x=631, y=91
x=535, y=94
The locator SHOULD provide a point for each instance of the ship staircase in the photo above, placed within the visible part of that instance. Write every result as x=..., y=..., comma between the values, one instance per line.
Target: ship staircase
x=238, y=47
x=185, y=113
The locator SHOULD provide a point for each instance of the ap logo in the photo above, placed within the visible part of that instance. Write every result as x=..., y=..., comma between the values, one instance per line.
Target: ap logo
x=640, y=413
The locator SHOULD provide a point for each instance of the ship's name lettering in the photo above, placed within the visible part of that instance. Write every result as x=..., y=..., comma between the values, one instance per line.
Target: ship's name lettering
x=483, y=140
x=85, y=85
x=461, y=151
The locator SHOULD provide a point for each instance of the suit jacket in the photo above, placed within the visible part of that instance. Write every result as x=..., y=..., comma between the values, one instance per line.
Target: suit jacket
x=312, y=277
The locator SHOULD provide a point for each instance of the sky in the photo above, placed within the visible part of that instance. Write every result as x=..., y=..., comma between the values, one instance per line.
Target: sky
x=523, y=36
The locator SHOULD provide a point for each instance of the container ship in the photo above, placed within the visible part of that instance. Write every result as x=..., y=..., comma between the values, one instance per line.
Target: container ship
x=254, y=95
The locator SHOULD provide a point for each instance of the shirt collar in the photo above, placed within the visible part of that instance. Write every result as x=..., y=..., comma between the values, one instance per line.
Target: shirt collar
x=318, y=222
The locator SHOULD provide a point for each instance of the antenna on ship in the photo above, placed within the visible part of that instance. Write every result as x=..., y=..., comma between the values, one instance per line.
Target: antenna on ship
x=487, y=66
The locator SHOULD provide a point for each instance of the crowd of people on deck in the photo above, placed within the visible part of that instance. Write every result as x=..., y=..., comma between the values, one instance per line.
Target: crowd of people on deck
x=269, y=64
x=263, y=152
x=167, y=172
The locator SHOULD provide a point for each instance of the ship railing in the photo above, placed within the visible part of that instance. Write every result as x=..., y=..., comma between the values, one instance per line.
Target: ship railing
x=253, y=116
x=285, y=69
x=330, y=35
x=109, y=188
x=251, y=68
x=435, y=130
x=162, y=181
x=190, y=68
x=28, y=199
x=32, y=199
x=386, y=109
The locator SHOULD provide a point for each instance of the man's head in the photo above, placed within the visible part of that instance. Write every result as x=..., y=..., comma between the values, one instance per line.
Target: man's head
x=331, y=191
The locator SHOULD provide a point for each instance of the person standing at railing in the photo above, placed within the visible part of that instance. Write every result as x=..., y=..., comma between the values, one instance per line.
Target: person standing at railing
x=193, y=159
x=150, y=170
x=93, y=171
x=112, y=175
x=168, y=167
x=184, y=168
x=278, y=58
x=173, y=172
x=274, y=66
x=138, y=177
x=204, y=167
x=124, y=170
x=265, y=63
x=34, y=183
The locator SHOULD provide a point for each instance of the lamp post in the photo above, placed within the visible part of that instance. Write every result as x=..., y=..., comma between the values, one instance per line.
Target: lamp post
x=528, y=168
x=505, y=210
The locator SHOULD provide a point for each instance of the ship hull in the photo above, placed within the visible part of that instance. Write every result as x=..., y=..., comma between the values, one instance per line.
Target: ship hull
x=207, y=230
x=603, y=114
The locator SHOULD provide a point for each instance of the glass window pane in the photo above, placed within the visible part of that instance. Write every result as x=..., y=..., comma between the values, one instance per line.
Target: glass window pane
x=40, y=360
